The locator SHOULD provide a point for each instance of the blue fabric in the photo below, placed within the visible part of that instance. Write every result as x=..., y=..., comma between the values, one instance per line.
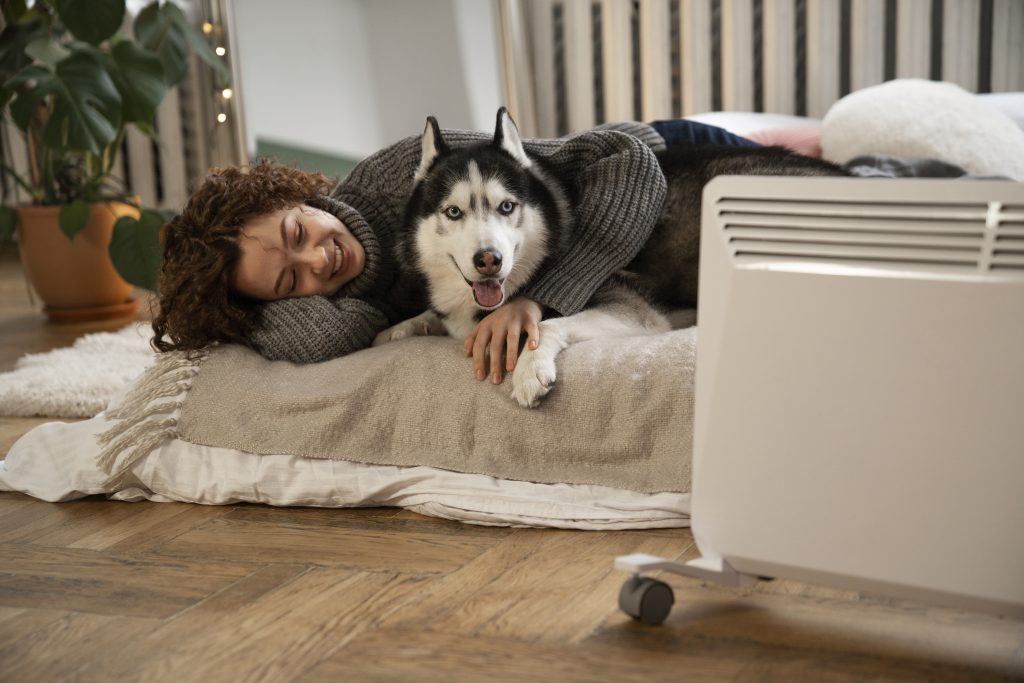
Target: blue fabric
x=683, y=132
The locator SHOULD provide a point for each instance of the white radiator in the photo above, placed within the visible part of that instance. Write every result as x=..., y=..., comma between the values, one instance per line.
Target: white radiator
x=859, y=390
x=570, y=64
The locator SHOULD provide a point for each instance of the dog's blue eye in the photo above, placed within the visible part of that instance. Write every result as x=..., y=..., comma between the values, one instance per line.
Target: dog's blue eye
x=453, y=212
x=507, y=207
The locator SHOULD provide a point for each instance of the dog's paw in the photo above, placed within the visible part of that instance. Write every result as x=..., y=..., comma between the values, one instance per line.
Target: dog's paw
x=408, y=328
x=533, y=378
x=422, y=325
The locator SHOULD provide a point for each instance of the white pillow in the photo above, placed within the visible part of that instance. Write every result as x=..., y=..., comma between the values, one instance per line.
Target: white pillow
x=57, y=462
x=916, y=119
x=1009, y=103
x=745, y=122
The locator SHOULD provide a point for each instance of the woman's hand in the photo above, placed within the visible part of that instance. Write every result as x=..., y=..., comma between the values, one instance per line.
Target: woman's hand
x=499, y=333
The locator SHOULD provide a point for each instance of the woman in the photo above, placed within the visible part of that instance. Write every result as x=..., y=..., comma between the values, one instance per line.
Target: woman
x=268, y=258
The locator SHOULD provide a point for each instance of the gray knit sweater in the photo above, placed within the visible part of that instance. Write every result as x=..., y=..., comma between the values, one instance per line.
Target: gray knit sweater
x=613, y=179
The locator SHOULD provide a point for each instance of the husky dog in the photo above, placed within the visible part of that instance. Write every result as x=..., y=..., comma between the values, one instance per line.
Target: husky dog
x=482, y=219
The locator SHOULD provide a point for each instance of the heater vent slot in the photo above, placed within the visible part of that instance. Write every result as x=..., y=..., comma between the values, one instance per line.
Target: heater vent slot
x=955, y=237
x=886, y=234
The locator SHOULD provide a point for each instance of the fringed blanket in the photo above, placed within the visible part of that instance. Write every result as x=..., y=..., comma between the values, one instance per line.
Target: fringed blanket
x=621, y=414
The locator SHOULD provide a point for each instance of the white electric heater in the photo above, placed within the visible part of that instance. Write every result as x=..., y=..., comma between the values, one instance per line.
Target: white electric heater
x=859, y=415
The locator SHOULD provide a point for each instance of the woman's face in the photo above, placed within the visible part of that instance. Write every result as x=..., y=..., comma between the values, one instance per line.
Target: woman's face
x=297, y=251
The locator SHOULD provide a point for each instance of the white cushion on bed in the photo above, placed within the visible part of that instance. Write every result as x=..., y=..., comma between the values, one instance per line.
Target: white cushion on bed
x=744, y=122
x=56, y=462
x=1009, y=103
x=915, y=119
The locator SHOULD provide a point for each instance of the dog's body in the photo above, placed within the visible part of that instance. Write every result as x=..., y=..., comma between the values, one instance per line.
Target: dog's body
x=667, y=265
x=483, y=219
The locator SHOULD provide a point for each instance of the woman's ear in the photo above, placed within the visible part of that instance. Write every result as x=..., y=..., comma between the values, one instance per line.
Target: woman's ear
x=433, y=146
x=506, y=138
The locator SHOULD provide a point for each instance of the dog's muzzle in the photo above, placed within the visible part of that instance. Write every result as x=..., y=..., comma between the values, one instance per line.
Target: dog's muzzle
x=488, y=293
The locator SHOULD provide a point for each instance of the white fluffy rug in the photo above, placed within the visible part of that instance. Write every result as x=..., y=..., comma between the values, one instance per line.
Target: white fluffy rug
x=79, y=380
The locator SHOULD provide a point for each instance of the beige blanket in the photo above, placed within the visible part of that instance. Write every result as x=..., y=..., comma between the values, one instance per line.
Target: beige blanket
x=621, y=413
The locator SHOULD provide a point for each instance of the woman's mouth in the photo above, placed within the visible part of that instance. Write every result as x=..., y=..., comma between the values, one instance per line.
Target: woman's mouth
x=339, y=258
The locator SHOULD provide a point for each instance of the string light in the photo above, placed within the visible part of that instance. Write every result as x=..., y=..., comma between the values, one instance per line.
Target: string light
x=220, y=51
x=207, y=27
x=226, y=93
x=222, y=117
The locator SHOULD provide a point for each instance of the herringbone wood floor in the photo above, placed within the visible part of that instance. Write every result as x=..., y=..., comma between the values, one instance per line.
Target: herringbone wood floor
x=103, y=591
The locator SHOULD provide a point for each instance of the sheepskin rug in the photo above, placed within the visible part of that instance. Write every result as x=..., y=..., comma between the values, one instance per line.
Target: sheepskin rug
x=79, y=380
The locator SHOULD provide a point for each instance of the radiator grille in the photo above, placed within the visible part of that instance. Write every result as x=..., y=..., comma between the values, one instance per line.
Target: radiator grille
x=1008, y=243
x=962, y=237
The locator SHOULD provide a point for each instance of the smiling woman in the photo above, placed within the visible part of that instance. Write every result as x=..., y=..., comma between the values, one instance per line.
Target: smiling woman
x=297, y=251
x=267, y=257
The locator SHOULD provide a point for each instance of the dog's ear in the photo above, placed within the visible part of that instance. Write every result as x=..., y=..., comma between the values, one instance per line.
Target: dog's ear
x=506, y=137
x=433, y=147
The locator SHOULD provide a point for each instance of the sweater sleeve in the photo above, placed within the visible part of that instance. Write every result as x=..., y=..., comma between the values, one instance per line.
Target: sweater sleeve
x=313, y=329
x=619, y=190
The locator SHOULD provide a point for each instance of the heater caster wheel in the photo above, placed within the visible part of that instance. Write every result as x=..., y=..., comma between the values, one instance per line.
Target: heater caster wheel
x=646, y=600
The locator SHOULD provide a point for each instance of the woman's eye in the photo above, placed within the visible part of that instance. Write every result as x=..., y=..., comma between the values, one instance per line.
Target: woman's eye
x=453, y=212
x=507, y=207
x=299, y=231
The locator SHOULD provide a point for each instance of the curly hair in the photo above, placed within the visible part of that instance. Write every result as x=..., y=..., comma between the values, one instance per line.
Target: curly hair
x=198, y=305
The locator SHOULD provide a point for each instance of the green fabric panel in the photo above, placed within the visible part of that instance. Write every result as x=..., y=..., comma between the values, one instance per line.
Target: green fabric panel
x=309, y=160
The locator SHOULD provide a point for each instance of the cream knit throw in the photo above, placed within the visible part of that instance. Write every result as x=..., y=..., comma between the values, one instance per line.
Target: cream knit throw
x=620, y=416
x=79, y=380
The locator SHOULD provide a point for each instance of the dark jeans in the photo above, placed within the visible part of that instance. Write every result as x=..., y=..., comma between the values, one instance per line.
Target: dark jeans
x=683, y=132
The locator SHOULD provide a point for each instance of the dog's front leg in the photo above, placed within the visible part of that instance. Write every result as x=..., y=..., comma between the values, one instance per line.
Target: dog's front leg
x=535, y=370
x=422, y=325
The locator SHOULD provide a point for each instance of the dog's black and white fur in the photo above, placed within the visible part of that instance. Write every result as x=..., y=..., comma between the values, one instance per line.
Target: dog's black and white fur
x=482, y=219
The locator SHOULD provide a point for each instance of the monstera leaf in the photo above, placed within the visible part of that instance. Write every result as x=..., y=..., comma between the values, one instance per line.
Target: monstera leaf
x=8, y=223
x=74, y=217
x=165, y=30
x=139, y=77
x=86, y=105
x=93, y=21
x=135, y=248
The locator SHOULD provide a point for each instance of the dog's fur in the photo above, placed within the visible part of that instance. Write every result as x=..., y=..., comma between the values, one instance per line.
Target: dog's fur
x=511, y=217
x=668, y=263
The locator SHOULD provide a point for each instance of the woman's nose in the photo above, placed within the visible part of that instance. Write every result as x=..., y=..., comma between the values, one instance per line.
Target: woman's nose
x=315, y=258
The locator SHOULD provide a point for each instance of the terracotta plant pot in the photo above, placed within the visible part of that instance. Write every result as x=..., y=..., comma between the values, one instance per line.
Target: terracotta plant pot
x=75, y=278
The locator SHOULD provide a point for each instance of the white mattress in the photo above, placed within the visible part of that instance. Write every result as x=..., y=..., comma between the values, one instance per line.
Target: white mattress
x=56, y=462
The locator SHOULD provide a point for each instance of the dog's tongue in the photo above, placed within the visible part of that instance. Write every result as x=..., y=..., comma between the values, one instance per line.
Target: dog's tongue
x=487, y=293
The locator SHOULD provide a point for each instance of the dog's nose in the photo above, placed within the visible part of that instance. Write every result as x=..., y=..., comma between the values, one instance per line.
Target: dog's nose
x=487, y=261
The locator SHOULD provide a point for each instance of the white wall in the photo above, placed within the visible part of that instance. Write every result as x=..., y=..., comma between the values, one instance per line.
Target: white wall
x=348, y=77
x=306, y=77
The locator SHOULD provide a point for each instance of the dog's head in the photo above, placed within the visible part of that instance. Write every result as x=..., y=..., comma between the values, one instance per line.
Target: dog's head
x=479, y=217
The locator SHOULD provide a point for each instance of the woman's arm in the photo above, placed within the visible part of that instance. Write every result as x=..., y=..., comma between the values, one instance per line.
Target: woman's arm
x=619, y=190
x=313, y=329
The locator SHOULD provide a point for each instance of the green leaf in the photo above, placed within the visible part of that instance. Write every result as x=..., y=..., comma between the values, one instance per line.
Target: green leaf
x=198, y=42
x=135, y=248
x=74, y=217
x=139, y=77
x=13, y=10
x=46, y=51
x=87, y=109
x=43, y=84
x=14, y=39
x=93, y=21
x=8, y=222
x=157, y=31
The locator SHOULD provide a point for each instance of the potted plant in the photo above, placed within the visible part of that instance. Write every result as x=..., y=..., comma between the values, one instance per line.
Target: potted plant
x=72, y=82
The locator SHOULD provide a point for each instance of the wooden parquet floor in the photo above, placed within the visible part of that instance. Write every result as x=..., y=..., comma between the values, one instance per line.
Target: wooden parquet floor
x=95, y=590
